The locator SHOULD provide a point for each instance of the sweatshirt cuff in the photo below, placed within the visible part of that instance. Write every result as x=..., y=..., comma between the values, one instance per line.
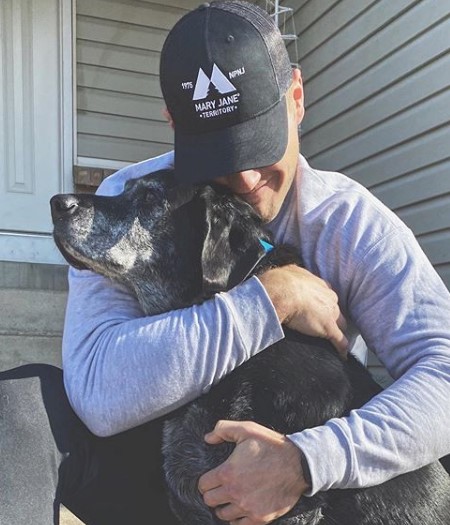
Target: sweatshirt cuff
x=327, y=455
x=254, y=315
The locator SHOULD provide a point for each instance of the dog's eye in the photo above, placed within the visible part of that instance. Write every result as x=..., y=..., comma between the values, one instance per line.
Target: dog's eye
x=149, y=197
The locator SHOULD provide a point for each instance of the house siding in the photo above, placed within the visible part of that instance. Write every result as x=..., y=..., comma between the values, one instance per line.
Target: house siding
x=377, y=77
x=119, y=101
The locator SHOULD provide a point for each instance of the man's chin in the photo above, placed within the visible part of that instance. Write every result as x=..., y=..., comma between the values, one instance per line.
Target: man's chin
x=266, y=212
x=268, y=209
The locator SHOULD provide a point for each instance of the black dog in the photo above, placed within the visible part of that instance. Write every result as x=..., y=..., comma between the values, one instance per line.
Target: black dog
x=176, y=246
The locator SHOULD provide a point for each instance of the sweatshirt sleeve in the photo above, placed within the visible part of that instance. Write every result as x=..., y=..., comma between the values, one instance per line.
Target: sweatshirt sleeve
x=122, y=369
x=402, y=308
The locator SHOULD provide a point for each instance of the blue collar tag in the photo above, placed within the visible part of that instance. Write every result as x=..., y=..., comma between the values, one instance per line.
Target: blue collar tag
x=267, y=249
x=267, y=246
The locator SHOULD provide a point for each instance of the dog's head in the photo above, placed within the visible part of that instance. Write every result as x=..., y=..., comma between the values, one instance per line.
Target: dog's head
x=172, y=245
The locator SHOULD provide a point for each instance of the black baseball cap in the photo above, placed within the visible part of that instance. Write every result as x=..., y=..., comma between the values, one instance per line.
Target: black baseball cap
x=224, y=75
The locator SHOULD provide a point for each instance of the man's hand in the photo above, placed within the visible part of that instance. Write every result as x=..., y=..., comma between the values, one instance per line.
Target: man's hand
x=260, y=481
x=306, y=303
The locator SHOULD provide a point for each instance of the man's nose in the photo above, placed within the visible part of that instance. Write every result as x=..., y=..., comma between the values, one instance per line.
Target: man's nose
x=242, y=181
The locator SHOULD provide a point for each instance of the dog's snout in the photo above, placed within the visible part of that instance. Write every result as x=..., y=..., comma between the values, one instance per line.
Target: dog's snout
x=63, y=205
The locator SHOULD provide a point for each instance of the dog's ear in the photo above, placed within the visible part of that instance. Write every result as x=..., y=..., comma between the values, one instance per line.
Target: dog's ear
x=176, y=194
x=232, y=246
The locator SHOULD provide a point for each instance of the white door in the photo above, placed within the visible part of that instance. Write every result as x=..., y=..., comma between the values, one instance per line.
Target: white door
x=35, y=123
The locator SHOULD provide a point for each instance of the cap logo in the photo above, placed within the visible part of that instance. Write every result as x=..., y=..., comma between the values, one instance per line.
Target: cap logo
x=218, y=79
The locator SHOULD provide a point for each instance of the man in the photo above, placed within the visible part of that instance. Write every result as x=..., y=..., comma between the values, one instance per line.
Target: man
x=236, y=106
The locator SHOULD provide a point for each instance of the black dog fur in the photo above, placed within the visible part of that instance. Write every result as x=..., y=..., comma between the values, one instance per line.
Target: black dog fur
x=176, y=246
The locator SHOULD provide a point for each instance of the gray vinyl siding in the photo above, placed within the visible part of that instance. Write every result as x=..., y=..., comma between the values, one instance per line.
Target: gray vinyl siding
x=377, y=77
x=119, y=102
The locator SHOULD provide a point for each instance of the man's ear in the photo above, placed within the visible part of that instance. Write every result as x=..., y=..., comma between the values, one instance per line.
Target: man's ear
x=168, y=117
x=231, y=246
x=296, y=94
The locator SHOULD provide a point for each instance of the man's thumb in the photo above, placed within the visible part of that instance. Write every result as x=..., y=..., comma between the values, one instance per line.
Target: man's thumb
x=224, y=431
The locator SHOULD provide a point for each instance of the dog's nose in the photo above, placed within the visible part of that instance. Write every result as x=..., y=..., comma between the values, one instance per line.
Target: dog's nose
x=63, y=205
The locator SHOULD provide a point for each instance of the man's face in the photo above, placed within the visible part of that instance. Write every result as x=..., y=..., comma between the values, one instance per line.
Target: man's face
x=266, y=188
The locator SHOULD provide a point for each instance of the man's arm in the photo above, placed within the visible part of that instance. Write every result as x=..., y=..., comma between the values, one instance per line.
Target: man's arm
x=122, y=369
x=402, y=307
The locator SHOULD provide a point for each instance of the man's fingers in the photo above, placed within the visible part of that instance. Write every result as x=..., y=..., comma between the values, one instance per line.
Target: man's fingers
x=337, y=336
x=213, y=438
x=243, y=521
x=216, y=497
x=340, y=342
x=226, y=431
x=229, y=513
x=209, y=481
x=260, y=481
x=306, y=303
x=231, y=431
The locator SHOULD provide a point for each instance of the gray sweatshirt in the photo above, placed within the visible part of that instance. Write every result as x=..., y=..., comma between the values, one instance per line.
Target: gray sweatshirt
x=123, y=369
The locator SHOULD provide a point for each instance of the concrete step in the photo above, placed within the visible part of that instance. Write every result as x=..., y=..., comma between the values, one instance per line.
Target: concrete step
x=17, y=350
x=32, y=312
x=31, y=325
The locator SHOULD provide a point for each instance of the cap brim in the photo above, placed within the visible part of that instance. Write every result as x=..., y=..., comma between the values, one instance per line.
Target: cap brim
x=258, y=142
